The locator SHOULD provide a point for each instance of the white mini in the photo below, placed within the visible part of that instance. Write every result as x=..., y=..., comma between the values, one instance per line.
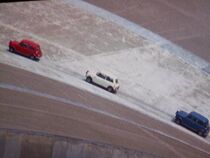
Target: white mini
x=106, y=81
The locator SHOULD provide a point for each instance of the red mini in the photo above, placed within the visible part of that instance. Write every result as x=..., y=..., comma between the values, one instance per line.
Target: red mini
x=26, y=48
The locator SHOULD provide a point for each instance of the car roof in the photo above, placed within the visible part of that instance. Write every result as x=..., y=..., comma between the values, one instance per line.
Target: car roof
x=199, y=116
x=32, y=43
x=107, y=74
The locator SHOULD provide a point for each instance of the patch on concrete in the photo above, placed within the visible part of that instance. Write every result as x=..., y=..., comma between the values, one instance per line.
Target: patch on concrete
x=35, y=147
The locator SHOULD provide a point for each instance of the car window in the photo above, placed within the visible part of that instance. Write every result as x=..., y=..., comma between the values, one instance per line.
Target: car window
x=23, y=44
x=192, y=118
x=116, y=80
x=109, y=79
x=100, y=75
x=201, y=123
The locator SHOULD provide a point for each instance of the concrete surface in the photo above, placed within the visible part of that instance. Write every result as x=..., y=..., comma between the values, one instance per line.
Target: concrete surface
x=75, y=113
x=153, y=37
x=185, y=23
x=74, y=40
x=93, y=43
x=12, y=147
x=35, y=145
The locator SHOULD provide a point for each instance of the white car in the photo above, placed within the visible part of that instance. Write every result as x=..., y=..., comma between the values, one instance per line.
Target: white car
x=103, y=80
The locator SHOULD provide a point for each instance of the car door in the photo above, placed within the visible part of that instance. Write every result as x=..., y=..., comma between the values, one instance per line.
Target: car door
x=31, y=50
x=23, y=48
x=200, y=125
x=109, y=81
x=190, y=122
x=100, y=79
x=19, y=48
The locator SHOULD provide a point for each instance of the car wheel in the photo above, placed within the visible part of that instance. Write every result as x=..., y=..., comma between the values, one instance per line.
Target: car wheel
x=200, y=133
x=115, y=92
x=11, y=49
x=205, y=135
x=178, y=121
x=89, y=79
x=110, y=89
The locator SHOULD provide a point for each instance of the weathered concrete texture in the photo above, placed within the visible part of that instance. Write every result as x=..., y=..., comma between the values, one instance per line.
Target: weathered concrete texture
x=141, y=30
x=59, y=149
x=18, y=144
x=60, y=109
x=185, y=23
x=84, y=150
x=61, y=28
x=89, y=150
x=35, y=147
x=2, y=144
x=121, y=53
x=12, y=146
x=74, y=150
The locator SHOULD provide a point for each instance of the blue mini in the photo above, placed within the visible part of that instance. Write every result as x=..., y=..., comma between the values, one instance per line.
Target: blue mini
x=193, y=121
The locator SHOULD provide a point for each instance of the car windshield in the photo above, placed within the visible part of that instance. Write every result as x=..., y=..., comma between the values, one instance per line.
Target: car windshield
x=23, y=44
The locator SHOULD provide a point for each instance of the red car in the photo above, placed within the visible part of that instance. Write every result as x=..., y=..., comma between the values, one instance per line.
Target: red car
x=26, y=48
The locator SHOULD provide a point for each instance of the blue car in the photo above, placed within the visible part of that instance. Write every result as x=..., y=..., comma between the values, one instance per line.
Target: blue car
x=193, y=121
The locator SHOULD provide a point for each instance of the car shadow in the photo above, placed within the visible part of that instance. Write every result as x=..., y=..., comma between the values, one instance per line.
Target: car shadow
x=99, y=86
x=23, y=55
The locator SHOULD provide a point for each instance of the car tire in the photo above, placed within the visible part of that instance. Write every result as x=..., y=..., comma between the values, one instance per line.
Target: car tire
x=110, y=89
x=200, y=133
x=178, y=121
x=89, y=79
x=205, y=135
x=115, y=92
x=36, y=59
x=11, y=49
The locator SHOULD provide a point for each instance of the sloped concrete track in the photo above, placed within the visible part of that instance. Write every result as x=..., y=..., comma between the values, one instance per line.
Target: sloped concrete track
x=40, y=108
x=29, y=102
x=185, y=23
x=74, y=40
